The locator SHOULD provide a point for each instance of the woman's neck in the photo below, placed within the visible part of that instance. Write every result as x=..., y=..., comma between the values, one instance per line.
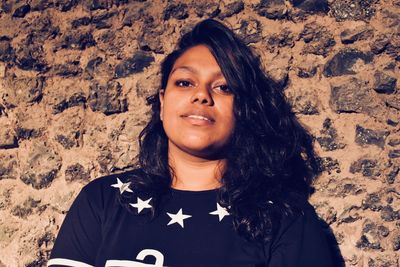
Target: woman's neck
x=194, y=173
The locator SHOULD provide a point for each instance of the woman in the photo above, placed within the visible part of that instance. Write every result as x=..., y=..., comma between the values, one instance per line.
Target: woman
x=224, y=177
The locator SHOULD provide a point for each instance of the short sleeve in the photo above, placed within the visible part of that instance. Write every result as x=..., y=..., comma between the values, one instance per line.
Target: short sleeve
x=301, y=242
x=80, y=234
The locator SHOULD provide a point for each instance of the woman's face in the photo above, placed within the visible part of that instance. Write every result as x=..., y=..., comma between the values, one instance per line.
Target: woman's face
x=197, y=105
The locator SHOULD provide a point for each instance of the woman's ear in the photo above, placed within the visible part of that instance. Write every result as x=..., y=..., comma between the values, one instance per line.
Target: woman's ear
x=161, y=97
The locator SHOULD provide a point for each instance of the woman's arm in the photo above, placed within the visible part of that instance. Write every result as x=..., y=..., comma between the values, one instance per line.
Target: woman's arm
x=79, y=236
x=301, y=242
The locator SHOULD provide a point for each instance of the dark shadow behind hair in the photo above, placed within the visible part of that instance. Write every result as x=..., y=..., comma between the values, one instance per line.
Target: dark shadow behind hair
x=270, y=158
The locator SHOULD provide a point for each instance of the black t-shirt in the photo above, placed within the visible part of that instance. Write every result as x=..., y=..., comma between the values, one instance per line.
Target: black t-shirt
x=191, y=230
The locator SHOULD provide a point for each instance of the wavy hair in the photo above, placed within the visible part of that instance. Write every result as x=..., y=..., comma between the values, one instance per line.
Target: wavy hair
x=270, y=161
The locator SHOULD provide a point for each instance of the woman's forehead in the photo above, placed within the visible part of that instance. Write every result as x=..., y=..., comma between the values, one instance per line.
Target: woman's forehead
x=216, y=73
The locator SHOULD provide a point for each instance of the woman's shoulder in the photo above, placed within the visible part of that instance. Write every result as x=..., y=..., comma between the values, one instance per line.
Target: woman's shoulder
x=116, y=181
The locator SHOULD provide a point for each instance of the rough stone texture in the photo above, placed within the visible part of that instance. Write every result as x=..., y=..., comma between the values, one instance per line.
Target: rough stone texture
x=352, y=10
x=107, y=98
x=74, y=77
x=328, y=137
x=342, y=63
x=358, y=33
x=370, y=137
x=384, y=83
x=352, y=95
x=318, y=40
x=272, y=9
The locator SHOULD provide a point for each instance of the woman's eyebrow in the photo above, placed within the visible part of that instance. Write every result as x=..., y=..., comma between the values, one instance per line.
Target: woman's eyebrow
x=193, y=70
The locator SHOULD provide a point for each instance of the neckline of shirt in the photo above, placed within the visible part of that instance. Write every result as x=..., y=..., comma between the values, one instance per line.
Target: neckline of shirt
x=192, y=192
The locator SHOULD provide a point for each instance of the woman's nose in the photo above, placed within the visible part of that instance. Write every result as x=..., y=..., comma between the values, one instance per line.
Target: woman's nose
x=202, y=96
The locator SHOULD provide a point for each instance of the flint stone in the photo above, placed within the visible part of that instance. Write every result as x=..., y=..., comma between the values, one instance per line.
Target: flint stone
x=319, y=41
x=40, y=30
x=391, y=177
x=146, y=86
x=328, y=164
x=383, y=261
x=136, y=64
x=303, y=104
x=396, y=242
x=366, y=167
x=31, y=57
x=272, y=9
x=372, y=202
x=150, y=39
x=393, y=102
x=40, y=5
x=97, y=4
x=24, y=133
x=392, y=122
x=65, y=141
x=394, y=153
x=101, y=21
x=77, y=99
x=350, y=96
x=394, y=142
x=374, y=233
x=250, y=31
x=306, y=71
x=7, y=53
x=26, y=209
x=21, y=11
x=350, y=36
x=78, y=40
x=388, y=214
x=76, y=172
x=349, y=215
x=92, y=66
x=84, y=21
x=366, y=136
x=345, y=188
x=311, y=6
x=8, y=166
x=41, y=166
x=352, y=10
x=23, y=90
x=329, y=136
x=342, y=62
x=65, y=5
x=380, y=44
x=284, y=38
x=8, y=138
x=107, y=98
x=364, y=243
x=178, y=11
x=210, y=9
x=39, y=181
x=232, y=9
x=384, y=83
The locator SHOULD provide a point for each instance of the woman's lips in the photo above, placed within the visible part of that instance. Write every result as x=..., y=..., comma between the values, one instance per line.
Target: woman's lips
x=198, y=120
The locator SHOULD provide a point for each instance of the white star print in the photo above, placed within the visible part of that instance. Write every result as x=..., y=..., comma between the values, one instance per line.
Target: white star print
x=140, y=205
x=122, y=186
x=220, y=211
x=178, y=217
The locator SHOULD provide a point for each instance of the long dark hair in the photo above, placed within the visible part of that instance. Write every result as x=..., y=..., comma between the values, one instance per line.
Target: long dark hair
x=270, y=161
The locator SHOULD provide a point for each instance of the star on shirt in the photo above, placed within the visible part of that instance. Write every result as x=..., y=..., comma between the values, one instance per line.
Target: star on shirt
x=178, y=217
x=140, y=205
x=122, y=186
x=220, y=211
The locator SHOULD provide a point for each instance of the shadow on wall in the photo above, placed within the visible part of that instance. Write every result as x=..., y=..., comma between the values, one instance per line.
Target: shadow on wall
x=338, y=259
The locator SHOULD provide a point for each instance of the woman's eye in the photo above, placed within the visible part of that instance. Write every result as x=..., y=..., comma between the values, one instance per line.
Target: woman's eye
x=224, y=88
x=182, y=83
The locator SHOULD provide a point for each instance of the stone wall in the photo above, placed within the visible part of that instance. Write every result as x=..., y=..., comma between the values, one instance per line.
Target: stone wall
x=74, y=76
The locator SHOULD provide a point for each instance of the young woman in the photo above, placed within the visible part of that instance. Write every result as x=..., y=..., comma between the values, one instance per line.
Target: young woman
x=224, y=176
